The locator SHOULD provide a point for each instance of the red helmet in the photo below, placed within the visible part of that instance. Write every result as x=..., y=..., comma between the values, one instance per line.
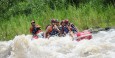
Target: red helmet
x=66, y=21
x=53, y=21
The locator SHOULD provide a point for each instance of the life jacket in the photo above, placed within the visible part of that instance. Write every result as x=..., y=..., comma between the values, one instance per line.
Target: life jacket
x=65, y=29
x=53, y=31
x=73, y=29
x=61, y=31
x=35, y=30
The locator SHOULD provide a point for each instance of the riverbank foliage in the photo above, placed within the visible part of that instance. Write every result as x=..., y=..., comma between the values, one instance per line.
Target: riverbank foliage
x=15, y=16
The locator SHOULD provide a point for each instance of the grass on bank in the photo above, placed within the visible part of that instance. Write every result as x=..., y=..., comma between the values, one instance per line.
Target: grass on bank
x=82, y=17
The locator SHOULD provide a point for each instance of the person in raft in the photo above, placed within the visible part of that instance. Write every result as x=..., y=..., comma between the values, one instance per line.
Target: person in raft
x=35, y=30
x=52, y=29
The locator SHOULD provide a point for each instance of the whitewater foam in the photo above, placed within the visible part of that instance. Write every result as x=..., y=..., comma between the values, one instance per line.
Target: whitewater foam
x=102, y=45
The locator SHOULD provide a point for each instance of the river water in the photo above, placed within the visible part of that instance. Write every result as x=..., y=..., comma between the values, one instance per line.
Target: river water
x=102, y=45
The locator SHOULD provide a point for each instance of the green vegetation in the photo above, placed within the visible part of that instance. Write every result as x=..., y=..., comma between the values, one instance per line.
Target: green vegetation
x=15, y=16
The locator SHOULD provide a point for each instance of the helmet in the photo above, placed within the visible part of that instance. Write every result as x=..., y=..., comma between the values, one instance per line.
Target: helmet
x=53, y=21
x=66, y=21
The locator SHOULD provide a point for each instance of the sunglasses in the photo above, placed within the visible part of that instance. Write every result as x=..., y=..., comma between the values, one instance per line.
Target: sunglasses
x=32, y=22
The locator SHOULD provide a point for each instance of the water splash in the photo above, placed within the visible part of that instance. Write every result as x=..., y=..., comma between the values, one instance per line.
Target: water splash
x=101, y=46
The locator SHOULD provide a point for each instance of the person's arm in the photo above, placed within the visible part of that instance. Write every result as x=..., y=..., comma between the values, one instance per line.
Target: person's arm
x=71, y=33
x=31, y=29
x=57, y=28
x=77, y=30
x=46, y=32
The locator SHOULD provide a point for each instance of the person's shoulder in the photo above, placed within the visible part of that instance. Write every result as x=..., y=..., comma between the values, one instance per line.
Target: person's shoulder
x=38, y=25
x=48, y=27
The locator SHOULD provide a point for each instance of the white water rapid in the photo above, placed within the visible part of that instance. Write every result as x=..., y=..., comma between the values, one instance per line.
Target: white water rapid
x=102, y=45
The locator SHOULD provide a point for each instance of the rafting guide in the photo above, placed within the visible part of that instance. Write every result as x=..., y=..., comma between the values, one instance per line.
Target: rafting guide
x=35, y=30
